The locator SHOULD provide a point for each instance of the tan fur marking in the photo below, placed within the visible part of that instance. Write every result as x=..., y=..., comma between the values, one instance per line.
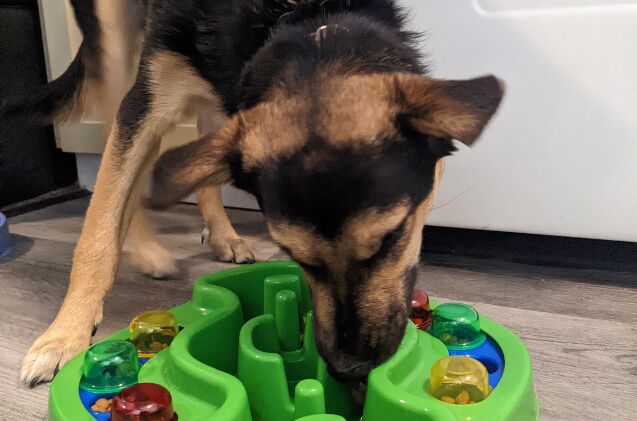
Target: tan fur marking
x=146, y=252
x=438, y=114
x=182, y=90
x=324, y=306
x=308, y=247
x=182, y=170
x=443, y=124
x=121, y=31
x=353, y=111
x=274, y=129
x=382, y=290
x=449, y=109
x=365, y=231
x=360, y=238
x=356, y=111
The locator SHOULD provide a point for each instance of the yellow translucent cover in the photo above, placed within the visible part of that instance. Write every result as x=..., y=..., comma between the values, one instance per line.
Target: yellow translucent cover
x=153, y=331
x=459, y=380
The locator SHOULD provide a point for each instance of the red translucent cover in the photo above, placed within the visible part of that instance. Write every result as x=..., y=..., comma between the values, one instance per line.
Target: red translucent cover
x=143, y=402
x=420, y=310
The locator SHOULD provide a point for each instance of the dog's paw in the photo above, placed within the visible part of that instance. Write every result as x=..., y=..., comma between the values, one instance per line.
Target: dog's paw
x=48, y=354
x=155, y=261
x=235, y=250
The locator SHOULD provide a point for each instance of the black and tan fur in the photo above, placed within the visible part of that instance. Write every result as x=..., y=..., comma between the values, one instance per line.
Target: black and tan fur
x=94, y=85
x=336, y=129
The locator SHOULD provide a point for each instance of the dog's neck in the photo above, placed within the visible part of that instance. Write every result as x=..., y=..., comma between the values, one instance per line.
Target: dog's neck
x=359, y=36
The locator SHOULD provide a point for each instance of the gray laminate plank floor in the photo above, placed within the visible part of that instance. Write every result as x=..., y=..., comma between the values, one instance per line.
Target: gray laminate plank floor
x=580, y=326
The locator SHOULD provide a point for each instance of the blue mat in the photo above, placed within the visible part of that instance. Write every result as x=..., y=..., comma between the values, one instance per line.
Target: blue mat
x=5, y=244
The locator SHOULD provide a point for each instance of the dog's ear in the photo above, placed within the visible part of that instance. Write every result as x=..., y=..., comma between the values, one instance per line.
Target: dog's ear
x=452, y=109
x=182, y=170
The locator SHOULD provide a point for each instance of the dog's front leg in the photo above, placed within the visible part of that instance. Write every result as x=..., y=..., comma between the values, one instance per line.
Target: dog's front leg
x=94, y=260
x=146, y=252
x=218, y=231
x=130, y=152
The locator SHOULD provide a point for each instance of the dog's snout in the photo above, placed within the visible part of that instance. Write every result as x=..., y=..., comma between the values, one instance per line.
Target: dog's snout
x=352, y=342
x=347, y=368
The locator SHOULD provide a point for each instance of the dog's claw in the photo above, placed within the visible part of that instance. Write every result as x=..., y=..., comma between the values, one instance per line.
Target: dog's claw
x=205, y=235
x=48, y=354
x=234, y=250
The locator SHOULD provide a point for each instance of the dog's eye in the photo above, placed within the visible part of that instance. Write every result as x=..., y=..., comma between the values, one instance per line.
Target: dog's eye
x=318, y=272
x=387, y=244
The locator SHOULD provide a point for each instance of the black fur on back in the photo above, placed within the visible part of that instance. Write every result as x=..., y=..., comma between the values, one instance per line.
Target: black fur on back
x=243, y=46
x=363, y=43
x=370, y=35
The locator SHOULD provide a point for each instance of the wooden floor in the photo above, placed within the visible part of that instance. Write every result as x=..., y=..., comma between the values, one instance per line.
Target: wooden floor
x=580, y=326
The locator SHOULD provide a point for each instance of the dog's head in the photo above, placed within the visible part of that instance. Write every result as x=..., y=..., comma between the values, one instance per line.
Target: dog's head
x=345, y=169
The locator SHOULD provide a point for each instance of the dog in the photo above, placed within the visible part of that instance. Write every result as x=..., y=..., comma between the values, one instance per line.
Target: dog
x=94, y=84
x=333, y=124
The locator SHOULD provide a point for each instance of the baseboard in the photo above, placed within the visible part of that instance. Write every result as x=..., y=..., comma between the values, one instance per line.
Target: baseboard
x=532, y=249
x=51, y=198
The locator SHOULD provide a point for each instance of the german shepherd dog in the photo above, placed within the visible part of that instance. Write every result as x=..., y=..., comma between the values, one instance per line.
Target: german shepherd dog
x=334, y=125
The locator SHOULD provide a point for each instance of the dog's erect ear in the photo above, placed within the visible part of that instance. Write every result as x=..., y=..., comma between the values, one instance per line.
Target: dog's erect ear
x=182, y=170
x=454, y=109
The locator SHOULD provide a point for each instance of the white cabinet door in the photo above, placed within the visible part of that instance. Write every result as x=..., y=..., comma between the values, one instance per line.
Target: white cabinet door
x=560, y=158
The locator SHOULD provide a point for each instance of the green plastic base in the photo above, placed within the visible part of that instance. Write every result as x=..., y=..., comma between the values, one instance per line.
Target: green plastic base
x=239, y=358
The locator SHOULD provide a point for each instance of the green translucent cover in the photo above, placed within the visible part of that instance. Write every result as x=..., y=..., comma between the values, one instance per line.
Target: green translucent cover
x=457, y=326
x=109, y=366
x=241, y=357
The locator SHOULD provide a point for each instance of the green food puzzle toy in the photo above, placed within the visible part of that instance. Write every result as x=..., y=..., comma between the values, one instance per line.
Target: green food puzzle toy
x=243, y=350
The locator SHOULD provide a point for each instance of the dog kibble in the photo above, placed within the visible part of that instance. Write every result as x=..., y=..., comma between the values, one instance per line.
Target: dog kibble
x=102, y=405
x=448, y=339
x=463, y=397
x=156, y=346
x=153, y=331
x=448, y=399
x=459, y=380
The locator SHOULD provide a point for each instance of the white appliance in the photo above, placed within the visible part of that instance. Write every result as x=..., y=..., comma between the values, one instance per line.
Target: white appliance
x=561, y=156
